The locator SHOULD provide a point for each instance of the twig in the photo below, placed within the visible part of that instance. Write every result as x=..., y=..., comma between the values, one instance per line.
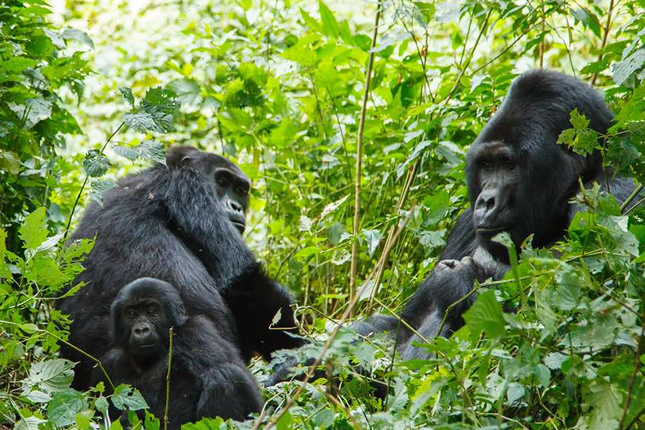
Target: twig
x=604, y=39
x=87, y=177
x=332, y=336
x=359, y=158
x=165, y=414
x=631, y=197
x=402, y=198
x=74, y=347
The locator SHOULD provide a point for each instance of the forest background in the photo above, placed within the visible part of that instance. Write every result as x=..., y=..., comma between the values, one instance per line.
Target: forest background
x=91, y=90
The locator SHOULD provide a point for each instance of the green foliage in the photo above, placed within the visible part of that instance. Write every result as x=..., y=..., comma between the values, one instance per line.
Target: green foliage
x=277, y=86
x=36, y=67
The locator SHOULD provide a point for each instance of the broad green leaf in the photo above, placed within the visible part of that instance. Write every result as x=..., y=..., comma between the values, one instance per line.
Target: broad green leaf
x=625, y=68
x=50, y=376
x=328, y=20
x=127, y=397
x=486, y=315
x=34, y=230
x=64, y=406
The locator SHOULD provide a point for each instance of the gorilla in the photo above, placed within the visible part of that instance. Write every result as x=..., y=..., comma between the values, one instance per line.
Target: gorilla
x=201, y=385
x=181, y=223
x=520, y=181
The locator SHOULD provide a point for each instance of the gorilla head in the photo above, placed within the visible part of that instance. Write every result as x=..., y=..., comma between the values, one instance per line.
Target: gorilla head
x=142, y=314
x=519, y=179
x=232, y=184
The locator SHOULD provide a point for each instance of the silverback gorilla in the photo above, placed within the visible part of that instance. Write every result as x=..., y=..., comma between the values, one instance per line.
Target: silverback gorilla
x=141, y=316
x=519, y=181
x=181, y=223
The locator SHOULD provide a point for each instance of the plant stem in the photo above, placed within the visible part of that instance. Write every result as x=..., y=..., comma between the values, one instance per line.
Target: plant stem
x=604, y=39
x=359, y=158
x=165, y=415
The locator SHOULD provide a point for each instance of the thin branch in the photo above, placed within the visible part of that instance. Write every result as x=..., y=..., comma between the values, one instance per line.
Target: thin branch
x=348, y=311
x=359, y=157
x=165, y=414
x=604, y=39
x=87, y=177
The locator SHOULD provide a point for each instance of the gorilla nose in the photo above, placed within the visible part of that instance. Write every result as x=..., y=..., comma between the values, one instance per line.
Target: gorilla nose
x=232, y=204
x=486, y=205
x=142, y=331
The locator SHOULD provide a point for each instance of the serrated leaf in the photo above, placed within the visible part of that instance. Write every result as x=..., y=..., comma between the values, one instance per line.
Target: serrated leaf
x=95, y=164
x=622, y=70
x=486, y=315
x=50, y=376
x=127, y=95
x=146, y=150
x=34, y=230
x=127, y=397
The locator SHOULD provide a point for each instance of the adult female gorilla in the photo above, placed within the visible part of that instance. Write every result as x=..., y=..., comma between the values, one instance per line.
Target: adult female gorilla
x=179, y=223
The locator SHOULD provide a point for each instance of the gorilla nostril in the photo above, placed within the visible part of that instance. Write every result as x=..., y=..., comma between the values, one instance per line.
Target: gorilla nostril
x=490, y=203
x=142, y=331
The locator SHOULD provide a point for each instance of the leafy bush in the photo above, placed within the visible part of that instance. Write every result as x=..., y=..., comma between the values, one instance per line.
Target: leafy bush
x=278, y=86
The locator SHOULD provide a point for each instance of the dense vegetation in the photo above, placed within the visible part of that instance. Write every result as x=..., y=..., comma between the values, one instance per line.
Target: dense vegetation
x=301, y=94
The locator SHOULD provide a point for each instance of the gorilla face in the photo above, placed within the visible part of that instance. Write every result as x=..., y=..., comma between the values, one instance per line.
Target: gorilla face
x=233, y=189
x=143, y=321
x=142, y=314
x=233, y=186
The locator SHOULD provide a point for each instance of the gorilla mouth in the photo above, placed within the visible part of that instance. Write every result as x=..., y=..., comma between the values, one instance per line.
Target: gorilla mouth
x=491, y=230
x=239, y=225
x=238, y=221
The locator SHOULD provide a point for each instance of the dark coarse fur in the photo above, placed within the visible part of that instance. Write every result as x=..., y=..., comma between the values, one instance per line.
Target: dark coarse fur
x=206, y=376
x=166, y=222
x=527, y=125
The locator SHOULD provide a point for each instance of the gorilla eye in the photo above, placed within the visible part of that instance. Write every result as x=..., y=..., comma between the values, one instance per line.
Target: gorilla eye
x=132, y=314
x=152, y=312
x=487, y=164
x=222, y=181
x=509, y=166
x=241, y=190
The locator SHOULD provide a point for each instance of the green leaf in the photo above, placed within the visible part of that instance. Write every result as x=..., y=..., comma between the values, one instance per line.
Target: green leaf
x=77, y=35
x=64, y=406
x=34, y=230
x=95, y=163
x=127, y=95
x=9, y=162
x=50, y=376
x=373, y=238
x=127, y=397
x=146, y=150
x=310, y=21
x=328, y=20
x=486, y=315
x=622, y=70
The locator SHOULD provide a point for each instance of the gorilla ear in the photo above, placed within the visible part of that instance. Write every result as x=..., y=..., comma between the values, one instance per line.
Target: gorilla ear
x=179, y=156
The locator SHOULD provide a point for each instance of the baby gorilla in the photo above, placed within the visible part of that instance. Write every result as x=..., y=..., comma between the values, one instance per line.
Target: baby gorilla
x=141, y=316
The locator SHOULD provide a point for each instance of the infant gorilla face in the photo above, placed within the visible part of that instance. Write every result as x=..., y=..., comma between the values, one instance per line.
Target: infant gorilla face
x=144, y=319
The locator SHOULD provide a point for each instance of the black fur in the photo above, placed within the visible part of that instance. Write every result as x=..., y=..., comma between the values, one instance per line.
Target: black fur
x=167, y=222
x=523, y=133
x=207, y=378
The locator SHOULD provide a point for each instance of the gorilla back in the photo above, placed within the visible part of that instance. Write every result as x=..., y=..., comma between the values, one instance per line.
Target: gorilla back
x=175, y=223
